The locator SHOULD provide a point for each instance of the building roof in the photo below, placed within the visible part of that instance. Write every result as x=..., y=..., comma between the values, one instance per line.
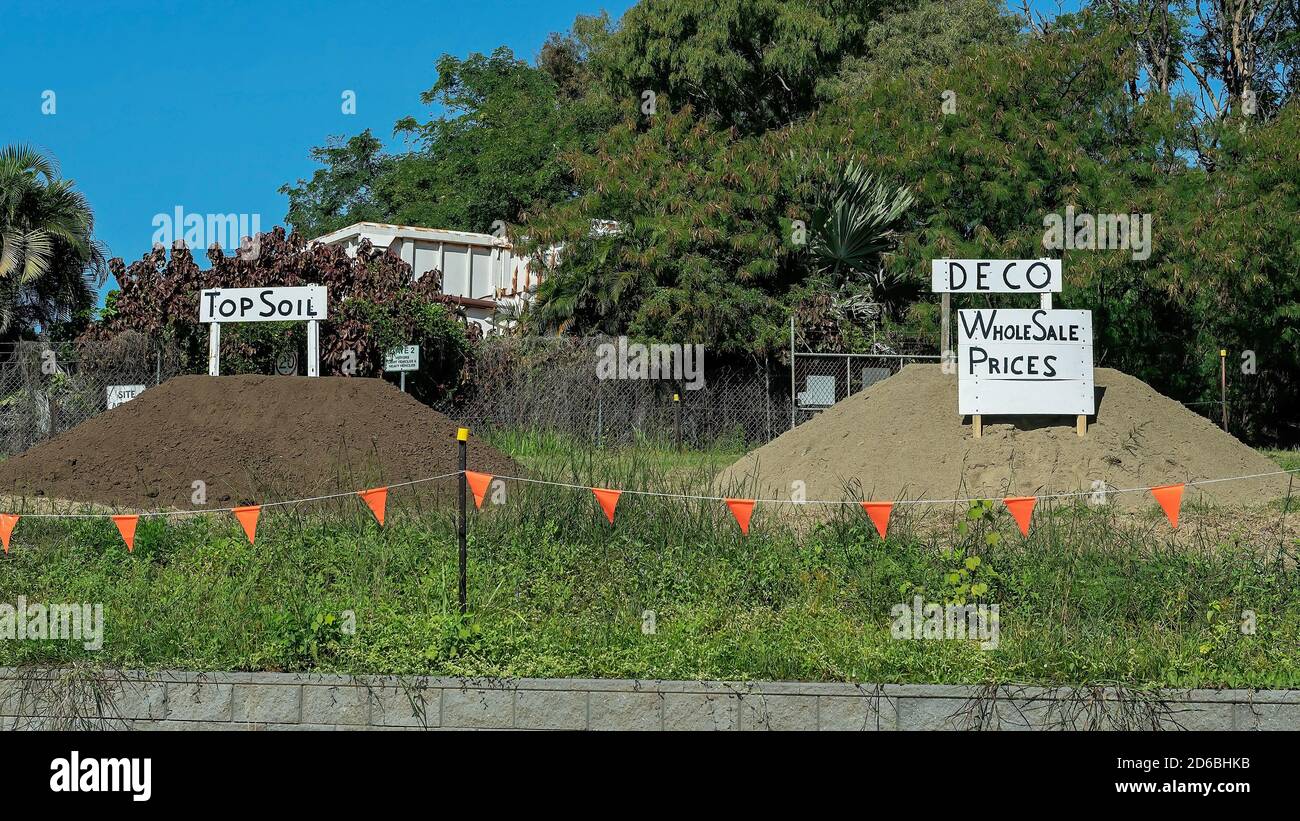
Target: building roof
x=381, y=229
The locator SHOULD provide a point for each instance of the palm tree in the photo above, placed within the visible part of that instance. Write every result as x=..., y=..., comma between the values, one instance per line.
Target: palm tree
x=852, y=226
x=50, y=263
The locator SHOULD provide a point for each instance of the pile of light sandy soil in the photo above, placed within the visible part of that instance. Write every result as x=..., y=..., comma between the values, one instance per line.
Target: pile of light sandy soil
x=902, y=439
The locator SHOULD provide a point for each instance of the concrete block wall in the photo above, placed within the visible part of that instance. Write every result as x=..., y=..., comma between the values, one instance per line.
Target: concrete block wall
x=180, y=700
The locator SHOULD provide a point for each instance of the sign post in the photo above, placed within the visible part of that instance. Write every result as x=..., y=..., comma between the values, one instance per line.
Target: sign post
x=298, y=304
x=1017, y=361
x=403, y=359
x=462, y=454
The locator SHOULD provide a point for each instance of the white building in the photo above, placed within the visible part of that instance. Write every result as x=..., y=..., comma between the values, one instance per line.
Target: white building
x=479, y=271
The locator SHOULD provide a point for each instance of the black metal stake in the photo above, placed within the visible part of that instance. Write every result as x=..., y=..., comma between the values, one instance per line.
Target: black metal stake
x=462, y=440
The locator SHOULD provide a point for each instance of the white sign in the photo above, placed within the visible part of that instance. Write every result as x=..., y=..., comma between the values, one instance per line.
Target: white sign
x=302, y=304
x=405, y=358
x=1024, y=361
x=995, y=276
x=305, y=303
x=119, y=394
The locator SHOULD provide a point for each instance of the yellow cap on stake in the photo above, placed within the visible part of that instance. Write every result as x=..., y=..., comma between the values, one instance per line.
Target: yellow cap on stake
x=676, y=398
x=462, y=435
x=1223, y=352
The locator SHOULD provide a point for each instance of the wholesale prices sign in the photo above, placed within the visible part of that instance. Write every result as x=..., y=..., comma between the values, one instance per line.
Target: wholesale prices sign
x=1024, y=361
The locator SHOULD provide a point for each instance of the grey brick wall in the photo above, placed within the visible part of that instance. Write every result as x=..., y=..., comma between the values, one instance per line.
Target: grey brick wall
x=179, y=700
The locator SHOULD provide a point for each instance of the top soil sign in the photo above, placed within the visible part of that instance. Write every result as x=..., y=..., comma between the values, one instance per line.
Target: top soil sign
x=995, y=276
x=300, y=304
x=1021, y=361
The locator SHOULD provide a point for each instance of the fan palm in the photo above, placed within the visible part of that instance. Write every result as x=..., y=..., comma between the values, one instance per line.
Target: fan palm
x=853, y=224
x=50, y=263
x=853, y=221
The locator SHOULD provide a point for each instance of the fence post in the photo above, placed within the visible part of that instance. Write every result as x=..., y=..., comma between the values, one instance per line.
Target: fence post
x=677, y=405
x=793, y=401
x=462, y=442
x=767, y=396
x=1223, y=385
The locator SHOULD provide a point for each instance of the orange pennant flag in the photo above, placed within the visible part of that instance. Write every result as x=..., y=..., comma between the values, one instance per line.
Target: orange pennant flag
x=126, y=526
x=247, y=517
x=478, y=483
x=7, y=522
x=608, y=500
x=1022, y=510
x=742, y=509
x=375, y=498
x=879, y=513
x=1170, y=498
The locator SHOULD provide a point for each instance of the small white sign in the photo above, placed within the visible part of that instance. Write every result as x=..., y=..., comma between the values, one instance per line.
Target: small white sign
x=304, y=303
x=119, y=394
x=405, y=358
x=1024, y=361
x=995, y=276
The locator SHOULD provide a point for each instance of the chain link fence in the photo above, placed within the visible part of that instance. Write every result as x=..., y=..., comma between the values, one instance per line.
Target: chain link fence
x=549, y=384
x=47, y=388
x=533, y=384
x=819, y=380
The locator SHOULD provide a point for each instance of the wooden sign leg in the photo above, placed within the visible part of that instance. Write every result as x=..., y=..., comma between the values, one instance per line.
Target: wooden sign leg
x=1081, y=424
x=945, y=334
x=977, y=425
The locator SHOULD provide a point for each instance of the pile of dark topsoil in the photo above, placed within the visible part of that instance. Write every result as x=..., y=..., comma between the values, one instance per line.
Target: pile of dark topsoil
x=903, y=439
x=250, y=439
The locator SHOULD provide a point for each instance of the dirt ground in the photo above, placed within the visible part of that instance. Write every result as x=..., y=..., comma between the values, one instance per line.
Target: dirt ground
x=902, y=439
x=249, y=439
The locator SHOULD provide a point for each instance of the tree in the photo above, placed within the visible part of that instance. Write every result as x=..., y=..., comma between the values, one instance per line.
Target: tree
x=496, y=154
x=920, y=37
x=853, y=222
x=698, y=254
x=751, y=64
x=343, y=192
x=50, y=262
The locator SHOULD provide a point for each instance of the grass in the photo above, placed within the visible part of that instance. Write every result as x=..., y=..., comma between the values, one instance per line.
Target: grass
x=1288, y=459
x=1091, y=597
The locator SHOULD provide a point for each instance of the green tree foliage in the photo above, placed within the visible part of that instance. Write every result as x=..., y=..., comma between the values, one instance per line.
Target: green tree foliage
x=50, y=263
x=992, y=123
x=496, y=152
x=493, y=157
x=921, y=37
x=852, y=226
x=343, y=191
x=697, y=255
x=752, y=64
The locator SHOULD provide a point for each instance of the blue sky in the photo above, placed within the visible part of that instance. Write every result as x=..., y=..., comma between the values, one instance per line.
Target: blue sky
x=211, y=107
